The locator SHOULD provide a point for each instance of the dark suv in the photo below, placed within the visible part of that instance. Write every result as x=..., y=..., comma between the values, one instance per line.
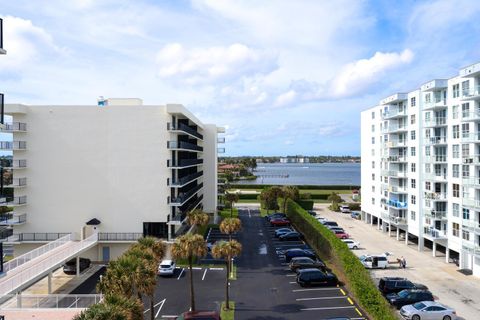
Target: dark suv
x=305, y=263
x=316, y=277
x=292, y=253
x=408, y=296
x=396, y=284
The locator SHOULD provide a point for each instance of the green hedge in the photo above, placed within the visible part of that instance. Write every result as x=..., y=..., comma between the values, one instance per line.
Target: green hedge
x=306, y=204
x=301, y=187
x=328, y=246
x=248, y=196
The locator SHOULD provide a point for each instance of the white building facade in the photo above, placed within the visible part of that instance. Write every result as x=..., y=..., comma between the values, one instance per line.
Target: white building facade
x=421, y=167
x=136, y=169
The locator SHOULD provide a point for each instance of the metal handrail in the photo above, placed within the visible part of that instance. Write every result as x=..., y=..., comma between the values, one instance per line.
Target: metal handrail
x=184, y=162
x=119, y=236
x=15, y=126
x=44, y=301
x=183, y=145
x=18, y=261
x=185, y=128
x=186, y=179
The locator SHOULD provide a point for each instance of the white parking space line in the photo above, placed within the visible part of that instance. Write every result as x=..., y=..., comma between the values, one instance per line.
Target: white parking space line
x=160, y=308
x=181, y=272
x=327, y=308
x=293, y=282
x=206, y=269
x=196, y=268
x=320, y=298
x=316, y=289
x=216, y=269
x=290, y=275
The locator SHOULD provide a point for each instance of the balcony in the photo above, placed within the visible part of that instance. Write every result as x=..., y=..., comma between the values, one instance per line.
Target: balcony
x=10, y=219
x=435, y=177
x=435, y=234
x=475, y=203
x=13, y=201
x=436, y=122
x=471, y=137
x=394, y=112
x=435, y=214
x=13, y=145
x=182, y=145
x=15, y=127
x=436, y=196
x=36, y=236
x=397, y=189
x=180, y=182
x=220, y=150
x=184, y=163
x=438, y=140
x=397, y=204
x=398, y=220
x=473, y=159
x=184, y=197
x=221, y=140
x=436, y=159
x=220, y=130
x=181, y=127
x=15, y=182
x=119, y=236
x=471, y=181
x=435, y=104
x=471, y=116
x=471, y=224
x=395, y=143
x=394, y=173
x=393, y=128
x=14, y=164
x=471, y=93
x=399, y=158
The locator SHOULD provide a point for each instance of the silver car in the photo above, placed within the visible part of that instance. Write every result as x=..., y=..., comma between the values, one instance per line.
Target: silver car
x=428, y=310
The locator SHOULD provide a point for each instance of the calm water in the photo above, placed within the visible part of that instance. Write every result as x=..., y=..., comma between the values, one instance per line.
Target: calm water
x=308, y=174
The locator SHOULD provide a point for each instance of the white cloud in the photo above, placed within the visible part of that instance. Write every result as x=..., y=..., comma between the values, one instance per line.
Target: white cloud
x=285, y=98
x=359, y=75
x=200, y=66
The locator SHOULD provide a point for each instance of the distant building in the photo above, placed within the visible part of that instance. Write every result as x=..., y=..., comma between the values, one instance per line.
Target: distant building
x=294, y=159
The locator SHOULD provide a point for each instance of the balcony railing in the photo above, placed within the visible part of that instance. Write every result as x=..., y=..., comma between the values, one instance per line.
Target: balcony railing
x=15, y=126
x=471, y=224
x=436, y=214
x=471, y=116
x=398, y=189
x=436, y=140
x=397, y=204
x=15, y=182
x=469, y=158
x=394, y=112
x=13, y=145
x=13, y=164
x=394, y=128
x=184, y=163
x=119, y=236
x=220, y=150
x=396, y=143
x=401, y=158
x=436, y=121
x=471, y=202
x=2, y=97
x=436, y=103
x=398, y=220
x=184, y=180
x=5, y=233
x=182, y=197
x=13, y=201
x=183, y=127
x=434, y=233
x=9, y=219
x=472, y=137
x=221, y=140
x=440, y=196
x=36, y=236
x=16, y=302
x=471, y=181
x=471, y=93
x=183, y=145
x=435, y=176
x=436, y=158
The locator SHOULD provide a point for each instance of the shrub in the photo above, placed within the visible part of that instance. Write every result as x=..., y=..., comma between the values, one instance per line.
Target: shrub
x=306, y=204
x=330, y=247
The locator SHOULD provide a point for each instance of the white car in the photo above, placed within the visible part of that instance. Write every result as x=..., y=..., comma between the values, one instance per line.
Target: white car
x=352, y=244
x=345, y=209
x=428, y=310
x=166, y=268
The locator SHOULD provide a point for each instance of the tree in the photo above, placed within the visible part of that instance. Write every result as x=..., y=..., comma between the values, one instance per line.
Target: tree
x=227, y=250
x=269, y=197
x=189, y=246
x=231, y=198
x=289, y=192
x=335, y=199
x=230, y=226
x=113, y=307
x=154, y=246
x=197, y=217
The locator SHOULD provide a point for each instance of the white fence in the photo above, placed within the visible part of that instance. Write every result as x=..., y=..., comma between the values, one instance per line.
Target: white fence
x=19, y=277
x=18, y=261
x=49, y=301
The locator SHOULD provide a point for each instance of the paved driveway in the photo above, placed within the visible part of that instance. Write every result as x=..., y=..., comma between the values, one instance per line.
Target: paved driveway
x=450, y=286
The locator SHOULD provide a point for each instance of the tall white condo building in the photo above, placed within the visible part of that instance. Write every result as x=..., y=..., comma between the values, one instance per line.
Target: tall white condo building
x=421, y=167
x=120, y=167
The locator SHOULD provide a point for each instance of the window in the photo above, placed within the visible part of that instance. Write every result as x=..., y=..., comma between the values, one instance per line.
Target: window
x=373, y=152
x=427, y=151
x=412, y=119
x=373, y=140
x=456, y=131
x=373, y=189
x=412, y=151
x=465, y=171
x=465, y=130
x=455, y=209
x=413, y=167
x=465, y=109
x=456, y=190
x=373, y=176
x=455, y=229
x=456, y=90
x=373, y=128
x=373, y=164
x=427, y=167
x=413, y=101
x=466, y=214
x=465, y=235
x=465, y=150
x=427, y=185
x=428, y=98
x=456, y=151
x=412, y=135
x=465, y=88
x=373, y=114
x=456, y=170
x=413, y=215
x=455, y=112
x=413, y=199
x=413, y=183
x=373, y=201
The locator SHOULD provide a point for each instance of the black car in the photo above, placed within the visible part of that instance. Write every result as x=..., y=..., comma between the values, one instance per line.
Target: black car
x=329, y=223
x=70, y=267
x=305, y=263
x=312, y=213
x=408, y=296
x=389, y=285
x=292, y=253
x=282, y=250
x=316, y=277
x=276, y=215
x=294, y=235
x=281, y=231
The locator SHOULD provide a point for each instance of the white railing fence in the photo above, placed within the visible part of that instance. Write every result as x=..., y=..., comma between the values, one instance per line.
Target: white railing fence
x=49, y=301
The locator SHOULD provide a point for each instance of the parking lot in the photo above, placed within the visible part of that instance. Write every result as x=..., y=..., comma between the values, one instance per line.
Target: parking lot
x=266, y=288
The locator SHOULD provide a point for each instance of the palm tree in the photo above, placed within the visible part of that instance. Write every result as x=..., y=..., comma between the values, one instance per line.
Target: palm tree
x=231, y=198
x=197, y=217
x=230, y=226
x=188, y=247
x=152, y=245
x=113, y=307
x=118, y=278
x=227, y=250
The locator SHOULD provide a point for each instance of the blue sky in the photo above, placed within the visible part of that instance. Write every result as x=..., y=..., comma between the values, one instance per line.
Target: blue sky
x=284, y=77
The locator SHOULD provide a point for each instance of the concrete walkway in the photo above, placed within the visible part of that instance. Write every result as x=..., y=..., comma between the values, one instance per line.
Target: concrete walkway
x=452, y=288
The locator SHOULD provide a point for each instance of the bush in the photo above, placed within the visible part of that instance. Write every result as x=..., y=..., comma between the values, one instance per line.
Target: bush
x=329, y=247
x=354, y=206
x=306, y=204
x=248, y=196
x=334, y=207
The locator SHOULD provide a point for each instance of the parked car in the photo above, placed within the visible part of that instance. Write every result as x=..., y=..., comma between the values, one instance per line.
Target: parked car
x=320, y=219
x=315, y=277
x=341, y=234
x=388, y=285
x=280, y=222
x=299, y=246
x=332, y=228
x=275, y=215
x=70, y=267
x=166, y=268
x=294, y=235
x=352, y=244
x=428, y=310
x=199, y=315
x=374, y=261
x=356, y=215
x=312, y=213
x=329, y=223
x=408, y=296
x=281, y=231
x=293, y=253
x=305, y=263
x=345, y=209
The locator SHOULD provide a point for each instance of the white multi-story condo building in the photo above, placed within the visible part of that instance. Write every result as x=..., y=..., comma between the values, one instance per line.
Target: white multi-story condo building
x=120, y=167
x=421, y=166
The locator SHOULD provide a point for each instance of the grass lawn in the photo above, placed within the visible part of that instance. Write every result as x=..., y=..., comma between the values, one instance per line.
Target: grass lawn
x=225, y=213
x=248, y=201
x=311, y=191
x=227, y=315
